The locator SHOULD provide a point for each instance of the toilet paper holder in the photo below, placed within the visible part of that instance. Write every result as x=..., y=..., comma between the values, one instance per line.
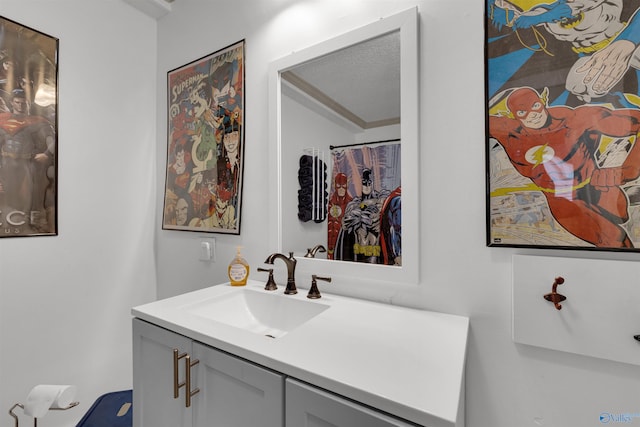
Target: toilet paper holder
x=35, y=420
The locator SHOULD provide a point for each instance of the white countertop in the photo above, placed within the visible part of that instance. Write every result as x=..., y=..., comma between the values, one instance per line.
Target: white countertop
x=403, y=361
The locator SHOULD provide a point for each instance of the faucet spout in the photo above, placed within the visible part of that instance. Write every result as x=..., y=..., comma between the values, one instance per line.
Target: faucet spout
x=290, y=262
x=311, y=252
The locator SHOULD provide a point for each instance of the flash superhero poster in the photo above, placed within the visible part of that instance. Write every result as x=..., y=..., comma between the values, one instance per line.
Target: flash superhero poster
x=206, y=144
x=28, y=131
x=563, y=117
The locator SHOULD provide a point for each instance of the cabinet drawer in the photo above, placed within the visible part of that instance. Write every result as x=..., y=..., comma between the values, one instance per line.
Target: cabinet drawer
x=307, y=406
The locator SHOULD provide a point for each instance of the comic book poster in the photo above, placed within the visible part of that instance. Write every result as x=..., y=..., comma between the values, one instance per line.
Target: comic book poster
x=203, y=190
x=563, y=116
x=364, y=211
x=28, y=131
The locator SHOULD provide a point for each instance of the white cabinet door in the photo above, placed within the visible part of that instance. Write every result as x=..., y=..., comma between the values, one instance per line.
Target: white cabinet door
x=154, y=404
x=307, y=406
x=234, y=392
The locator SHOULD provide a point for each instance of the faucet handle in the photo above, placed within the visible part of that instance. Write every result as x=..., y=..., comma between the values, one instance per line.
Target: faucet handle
x=314, y=293
x=271, y=284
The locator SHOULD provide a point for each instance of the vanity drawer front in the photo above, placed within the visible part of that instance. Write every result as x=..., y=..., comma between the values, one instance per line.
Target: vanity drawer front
x=307, y=406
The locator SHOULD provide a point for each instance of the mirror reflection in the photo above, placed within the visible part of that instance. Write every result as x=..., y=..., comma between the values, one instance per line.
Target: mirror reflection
x=348, y=108
x=341, y=154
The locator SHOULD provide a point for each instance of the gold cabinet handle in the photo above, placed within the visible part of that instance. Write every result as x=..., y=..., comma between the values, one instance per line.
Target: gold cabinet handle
x=190, y=393
x=177, y=385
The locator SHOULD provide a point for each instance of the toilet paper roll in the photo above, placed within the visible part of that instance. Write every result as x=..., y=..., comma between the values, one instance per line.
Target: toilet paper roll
x=43, y=397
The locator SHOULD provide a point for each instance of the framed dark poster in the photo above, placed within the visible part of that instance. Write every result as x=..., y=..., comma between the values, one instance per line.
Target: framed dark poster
x=28, y=131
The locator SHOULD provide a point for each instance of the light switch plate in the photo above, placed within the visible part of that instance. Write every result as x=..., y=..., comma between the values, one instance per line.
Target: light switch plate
x=207, y=250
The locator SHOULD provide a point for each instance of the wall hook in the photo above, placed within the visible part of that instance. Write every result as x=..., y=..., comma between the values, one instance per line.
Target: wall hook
x=554, y=296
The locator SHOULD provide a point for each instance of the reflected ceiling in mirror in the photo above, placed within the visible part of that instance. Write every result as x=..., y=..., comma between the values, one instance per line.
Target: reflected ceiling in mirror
x=370, y=69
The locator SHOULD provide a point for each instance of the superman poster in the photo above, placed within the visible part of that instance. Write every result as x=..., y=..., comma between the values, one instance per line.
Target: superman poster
x=364, y=211
x=563, y=117
x=28, y=131
x=203, y=190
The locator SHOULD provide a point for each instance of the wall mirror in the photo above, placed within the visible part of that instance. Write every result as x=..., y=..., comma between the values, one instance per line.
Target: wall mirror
x=327, y=102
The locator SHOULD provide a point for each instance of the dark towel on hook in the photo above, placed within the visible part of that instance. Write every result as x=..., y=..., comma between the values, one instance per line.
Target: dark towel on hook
x=312, y=196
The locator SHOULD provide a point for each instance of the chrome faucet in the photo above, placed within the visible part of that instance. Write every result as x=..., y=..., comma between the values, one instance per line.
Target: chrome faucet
x=291, y=270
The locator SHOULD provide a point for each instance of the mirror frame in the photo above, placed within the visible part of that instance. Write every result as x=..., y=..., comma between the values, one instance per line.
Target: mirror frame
x=345, y=271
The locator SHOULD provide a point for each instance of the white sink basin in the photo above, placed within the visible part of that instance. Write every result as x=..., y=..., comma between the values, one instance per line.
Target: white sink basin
x=269, y=314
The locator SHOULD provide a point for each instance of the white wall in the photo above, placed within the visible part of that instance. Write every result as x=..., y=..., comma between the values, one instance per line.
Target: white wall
x=508, y=385
x=65, y=300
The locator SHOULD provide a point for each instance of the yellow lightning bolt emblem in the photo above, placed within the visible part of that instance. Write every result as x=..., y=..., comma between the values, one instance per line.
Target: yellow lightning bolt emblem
x=537, y=157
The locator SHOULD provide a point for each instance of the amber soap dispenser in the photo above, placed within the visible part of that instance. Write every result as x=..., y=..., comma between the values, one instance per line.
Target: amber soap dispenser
x=238, y=269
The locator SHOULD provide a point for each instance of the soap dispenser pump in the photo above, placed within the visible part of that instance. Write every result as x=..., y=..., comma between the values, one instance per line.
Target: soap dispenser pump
x=238, y=269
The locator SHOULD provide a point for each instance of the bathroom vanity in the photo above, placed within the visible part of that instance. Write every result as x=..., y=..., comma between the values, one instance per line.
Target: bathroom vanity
x=244, y=356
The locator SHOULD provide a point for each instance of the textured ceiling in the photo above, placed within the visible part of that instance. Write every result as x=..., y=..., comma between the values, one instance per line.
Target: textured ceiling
x=364, y=79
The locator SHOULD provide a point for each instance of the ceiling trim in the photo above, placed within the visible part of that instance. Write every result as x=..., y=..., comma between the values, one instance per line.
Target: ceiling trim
x=334, y=106
x=153, y=8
